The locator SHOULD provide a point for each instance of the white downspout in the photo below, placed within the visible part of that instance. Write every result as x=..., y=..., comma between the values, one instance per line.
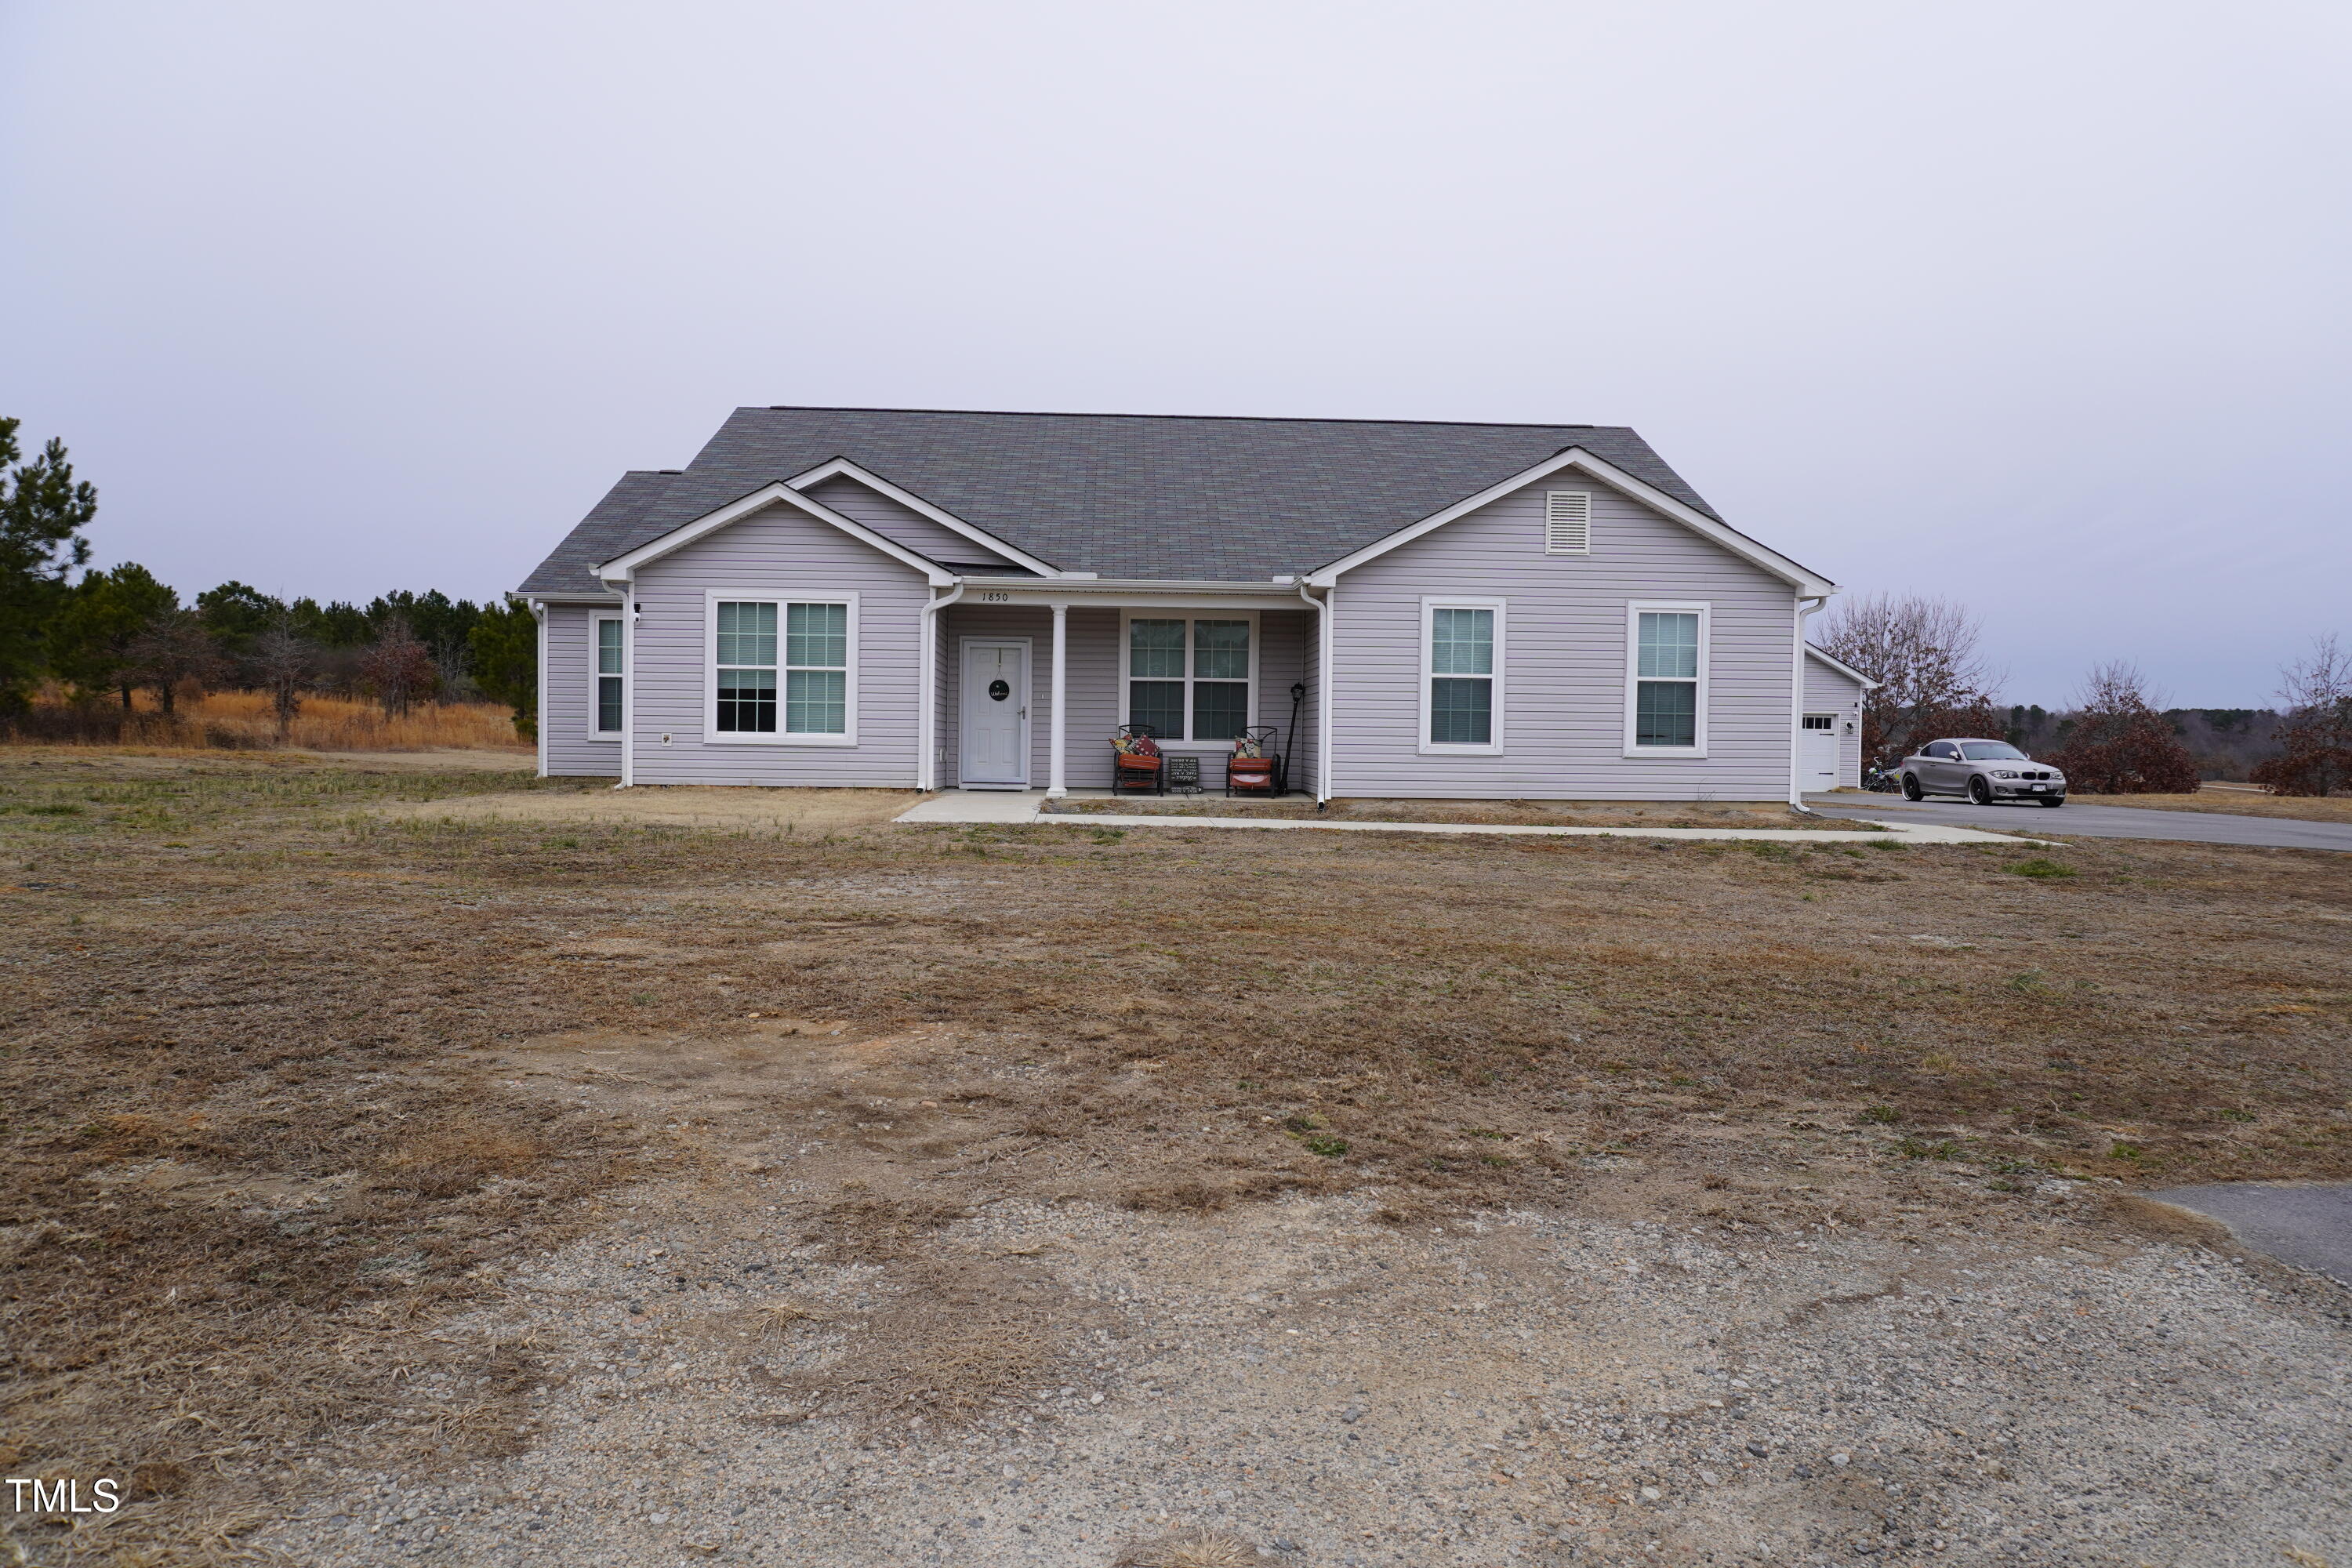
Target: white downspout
x=1056, y=786
x=628, y=684
x=1322, y=688
x=537, y=608
x=927, y=765
x=1805, y=608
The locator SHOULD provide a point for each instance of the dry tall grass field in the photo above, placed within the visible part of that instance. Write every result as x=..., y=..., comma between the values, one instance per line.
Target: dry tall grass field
x=302, y=1098
x=242, y=721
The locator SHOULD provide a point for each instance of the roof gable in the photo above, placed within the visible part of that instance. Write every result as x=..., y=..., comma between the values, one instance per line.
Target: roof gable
x=623, y=567
x=1577, y=460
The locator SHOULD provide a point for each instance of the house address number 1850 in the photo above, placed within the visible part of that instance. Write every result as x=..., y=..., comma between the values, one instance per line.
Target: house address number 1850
x=996, y=598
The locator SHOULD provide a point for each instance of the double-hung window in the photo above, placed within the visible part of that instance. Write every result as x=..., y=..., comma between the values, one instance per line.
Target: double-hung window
x=1462, y=675
x=783, y=671
x=1190, y=678
x=1666, y=680
x=609, y=674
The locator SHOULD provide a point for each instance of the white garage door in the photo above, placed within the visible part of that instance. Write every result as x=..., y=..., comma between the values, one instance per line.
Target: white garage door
x=1818, y=751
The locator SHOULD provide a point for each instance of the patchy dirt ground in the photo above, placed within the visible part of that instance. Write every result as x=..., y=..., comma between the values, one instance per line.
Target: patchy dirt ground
x=502, y=1192
x=762, y=812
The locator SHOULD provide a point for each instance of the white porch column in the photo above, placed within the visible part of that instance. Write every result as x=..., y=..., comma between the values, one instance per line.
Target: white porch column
x=1055, y=783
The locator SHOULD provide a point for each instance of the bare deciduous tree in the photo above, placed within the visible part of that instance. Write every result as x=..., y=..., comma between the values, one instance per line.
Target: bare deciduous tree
x=2315, y=741
x=281, y=662
x=1932, y=681
x=398, y=667
x=2119, y=744
x=175, y=653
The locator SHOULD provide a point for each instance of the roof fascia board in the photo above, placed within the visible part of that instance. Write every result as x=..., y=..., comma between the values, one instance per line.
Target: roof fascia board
x=1844, y=668
x=913, y=502
x=608, y=596
x=1067, y=587
x=622, y=568
x=1607, y=473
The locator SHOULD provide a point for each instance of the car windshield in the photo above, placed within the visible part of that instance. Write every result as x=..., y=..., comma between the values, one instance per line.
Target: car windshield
x=1992, y=752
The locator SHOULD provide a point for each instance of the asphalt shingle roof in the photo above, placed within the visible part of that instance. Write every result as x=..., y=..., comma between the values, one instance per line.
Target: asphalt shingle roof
x=1119, y=495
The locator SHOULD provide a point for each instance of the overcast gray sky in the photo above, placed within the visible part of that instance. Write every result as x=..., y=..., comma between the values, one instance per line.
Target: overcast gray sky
x=2040, y=306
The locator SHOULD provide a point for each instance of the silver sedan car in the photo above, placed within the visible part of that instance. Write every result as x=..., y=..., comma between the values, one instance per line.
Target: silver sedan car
x=1984, y=770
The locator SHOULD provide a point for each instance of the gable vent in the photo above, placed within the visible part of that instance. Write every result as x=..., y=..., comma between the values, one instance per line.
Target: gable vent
x=1568, y=523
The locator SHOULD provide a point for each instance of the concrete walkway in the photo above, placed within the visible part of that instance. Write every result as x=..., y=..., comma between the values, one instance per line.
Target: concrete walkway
x=2086, y=818
x=1002, y=807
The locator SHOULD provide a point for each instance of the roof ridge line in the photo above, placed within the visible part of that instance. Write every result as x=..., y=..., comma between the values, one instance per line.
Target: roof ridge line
x=1221, y=418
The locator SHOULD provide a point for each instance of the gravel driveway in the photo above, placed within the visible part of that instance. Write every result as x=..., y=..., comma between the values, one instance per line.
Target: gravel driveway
x=2086, y=819
x=1329, y=1390
x=1816, y=1357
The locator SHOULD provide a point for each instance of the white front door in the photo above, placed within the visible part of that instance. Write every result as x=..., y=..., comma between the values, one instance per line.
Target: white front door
x=1820, y=751
x=994, y=741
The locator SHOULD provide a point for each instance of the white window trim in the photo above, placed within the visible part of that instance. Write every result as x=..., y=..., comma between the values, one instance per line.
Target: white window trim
x=597, y=676
x=1188, y=616
x=711, y=734
x=1429, y=608
x=1635, y=610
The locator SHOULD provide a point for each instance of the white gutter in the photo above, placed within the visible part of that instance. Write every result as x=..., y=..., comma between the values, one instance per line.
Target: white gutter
x=1805, y=608
x=927, y=688
x=1322, y=689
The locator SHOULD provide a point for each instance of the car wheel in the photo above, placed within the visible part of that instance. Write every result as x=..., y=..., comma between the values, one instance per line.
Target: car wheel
x=1911, y=790
x=2054, y=800
x=1979, y=791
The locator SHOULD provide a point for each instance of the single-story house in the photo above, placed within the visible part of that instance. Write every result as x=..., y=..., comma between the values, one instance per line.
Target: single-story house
x=943, y=600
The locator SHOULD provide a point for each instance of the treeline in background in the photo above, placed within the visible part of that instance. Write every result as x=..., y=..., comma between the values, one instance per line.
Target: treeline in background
x=119, y=655
x=1934, y=683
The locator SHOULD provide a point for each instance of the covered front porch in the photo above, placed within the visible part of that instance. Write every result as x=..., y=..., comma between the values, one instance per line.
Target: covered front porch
x=1031, y=680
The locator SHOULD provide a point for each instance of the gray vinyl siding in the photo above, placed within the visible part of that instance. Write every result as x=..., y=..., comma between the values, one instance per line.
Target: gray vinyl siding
x=1829, y=690
x=1564, y=653
x=900, y=523
x=567, y=700
x=783, y=555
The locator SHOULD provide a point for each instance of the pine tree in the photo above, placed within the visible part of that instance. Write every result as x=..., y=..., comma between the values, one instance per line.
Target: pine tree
x=104, y=615
x=504, y=650
x=43, y=510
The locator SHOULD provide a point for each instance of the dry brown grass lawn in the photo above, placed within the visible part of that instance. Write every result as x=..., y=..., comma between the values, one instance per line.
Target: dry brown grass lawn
x=267, y=1137
x=2237, y=803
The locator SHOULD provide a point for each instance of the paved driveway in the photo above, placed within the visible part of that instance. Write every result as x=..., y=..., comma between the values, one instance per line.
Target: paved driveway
x=2308, y=1225
x=2086, y=819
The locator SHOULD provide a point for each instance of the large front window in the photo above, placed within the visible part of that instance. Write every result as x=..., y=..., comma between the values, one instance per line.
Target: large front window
x=1189, y=679
x=1669, y=654
x=784, y=670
